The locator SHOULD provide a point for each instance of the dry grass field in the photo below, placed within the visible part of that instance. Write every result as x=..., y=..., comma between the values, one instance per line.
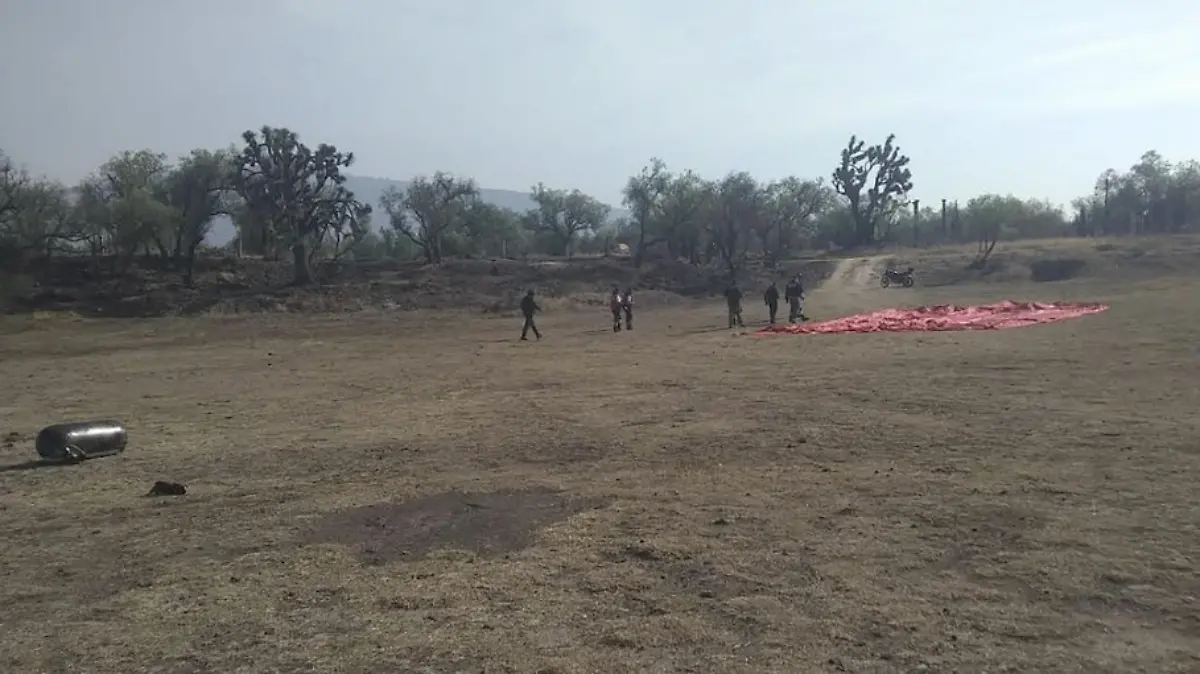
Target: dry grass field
x=413, y=492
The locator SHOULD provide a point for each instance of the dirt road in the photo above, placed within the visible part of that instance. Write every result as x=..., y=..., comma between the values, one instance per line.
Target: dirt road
x=849, y=288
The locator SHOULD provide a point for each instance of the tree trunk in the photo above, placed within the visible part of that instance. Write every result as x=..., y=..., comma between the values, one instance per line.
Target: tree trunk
x=164, y=254
x=301, y=270
x=189, y=264
x=640, y=252
x=864, y=230
x=769, y=253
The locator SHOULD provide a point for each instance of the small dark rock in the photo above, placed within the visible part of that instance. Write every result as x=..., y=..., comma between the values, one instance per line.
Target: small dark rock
x=161, y=488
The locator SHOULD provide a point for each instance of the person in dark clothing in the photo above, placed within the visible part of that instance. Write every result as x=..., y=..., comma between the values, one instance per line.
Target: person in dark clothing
x=528, y=308
x=627, y=307
x=794, y=294
x=733, y=298
x=771, y=299
x=614, y=305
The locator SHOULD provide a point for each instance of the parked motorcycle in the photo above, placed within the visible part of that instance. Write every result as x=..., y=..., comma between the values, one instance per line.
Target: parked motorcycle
x=902, y=277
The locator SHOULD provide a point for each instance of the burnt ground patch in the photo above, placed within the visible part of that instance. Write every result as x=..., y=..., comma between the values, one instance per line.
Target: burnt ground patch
x=486, y=524
x=1057, y=269
x=144, y=287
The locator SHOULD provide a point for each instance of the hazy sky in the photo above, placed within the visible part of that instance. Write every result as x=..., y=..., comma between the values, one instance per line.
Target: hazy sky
x=1034, y=98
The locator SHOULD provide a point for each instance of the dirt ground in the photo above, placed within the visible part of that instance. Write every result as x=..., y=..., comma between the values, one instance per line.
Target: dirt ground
x=412, y=492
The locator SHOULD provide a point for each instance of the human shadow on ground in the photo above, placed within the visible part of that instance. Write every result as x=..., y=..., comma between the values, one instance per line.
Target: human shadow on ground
x=750, y=325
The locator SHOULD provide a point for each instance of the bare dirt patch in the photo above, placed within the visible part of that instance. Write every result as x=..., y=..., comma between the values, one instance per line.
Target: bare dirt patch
x=851, y=282
x=486, y=524
x=1013, y=262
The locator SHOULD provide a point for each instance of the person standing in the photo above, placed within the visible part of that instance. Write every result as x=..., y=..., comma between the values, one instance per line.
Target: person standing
x=529, y=307
x=771, y=299
x=794, y=294
x=614, y=305
x=627, y=307
x=733, y=298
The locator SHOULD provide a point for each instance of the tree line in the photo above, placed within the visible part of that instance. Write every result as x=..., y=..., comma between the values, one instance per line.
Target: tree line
x=288, y=199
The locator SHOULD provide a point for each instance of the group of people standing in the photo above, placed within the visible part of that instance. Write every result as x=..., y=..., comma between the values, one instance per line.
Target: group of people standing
x=620, y=303
x=793, y=294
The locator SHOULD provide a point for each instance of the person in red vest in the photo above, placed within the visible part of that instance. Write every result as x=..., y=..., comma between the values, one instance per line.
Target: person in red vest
x=614, y=304
x=627, y=307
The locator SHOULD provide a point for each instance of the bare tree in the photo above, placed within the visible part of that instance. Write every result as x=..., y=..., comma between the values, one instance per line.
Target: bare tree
x=36, y=215
x=644, y=194
x=686, y=205
x=13, y=181
x=987, y=234
x=563, y=216
x=489, y=229
x=430, y=209
x=874, y=180
x=123, y=209
x=739, y=207
x=790, y=206
x=199, y=188
x=341, y=226
x=296, y=193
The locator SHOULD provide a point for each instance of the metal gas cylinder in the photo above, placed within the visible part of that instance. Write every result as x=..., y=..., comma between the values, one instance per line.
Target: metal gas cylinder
x=76, y=441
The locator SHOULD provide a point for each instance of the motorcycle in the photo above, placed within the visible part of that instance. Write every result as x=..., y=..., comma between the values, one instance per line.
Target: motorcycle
x=902, y=277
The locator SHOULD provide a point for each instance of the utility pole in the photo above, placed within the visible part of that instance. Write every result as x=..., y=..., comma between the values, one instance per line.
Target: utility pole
x=945, y=224
x=1107, y=189
x=916, y=221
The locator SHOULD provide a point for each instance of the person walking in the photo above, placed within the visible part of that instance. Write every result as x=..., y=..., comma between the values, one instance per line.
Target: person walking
x=794, y=294
x=733, y=298
x=529, y=307
x=771, y=299
x=614, y=305
x=627, y=307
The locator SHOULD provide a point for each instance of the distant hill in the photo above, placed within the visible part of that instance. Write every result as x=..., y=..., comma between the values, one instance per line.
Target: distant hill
x=369, y=190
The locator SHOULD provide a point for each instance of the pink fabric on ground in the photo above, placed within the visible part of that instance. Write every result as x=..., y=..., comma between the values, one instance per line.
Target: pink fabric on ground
x=946, y=317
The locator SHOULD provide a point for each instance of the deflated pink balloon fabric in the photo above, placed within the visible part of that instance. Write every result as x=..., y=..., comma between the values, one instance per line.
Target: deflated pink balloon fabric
x=946, y=317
